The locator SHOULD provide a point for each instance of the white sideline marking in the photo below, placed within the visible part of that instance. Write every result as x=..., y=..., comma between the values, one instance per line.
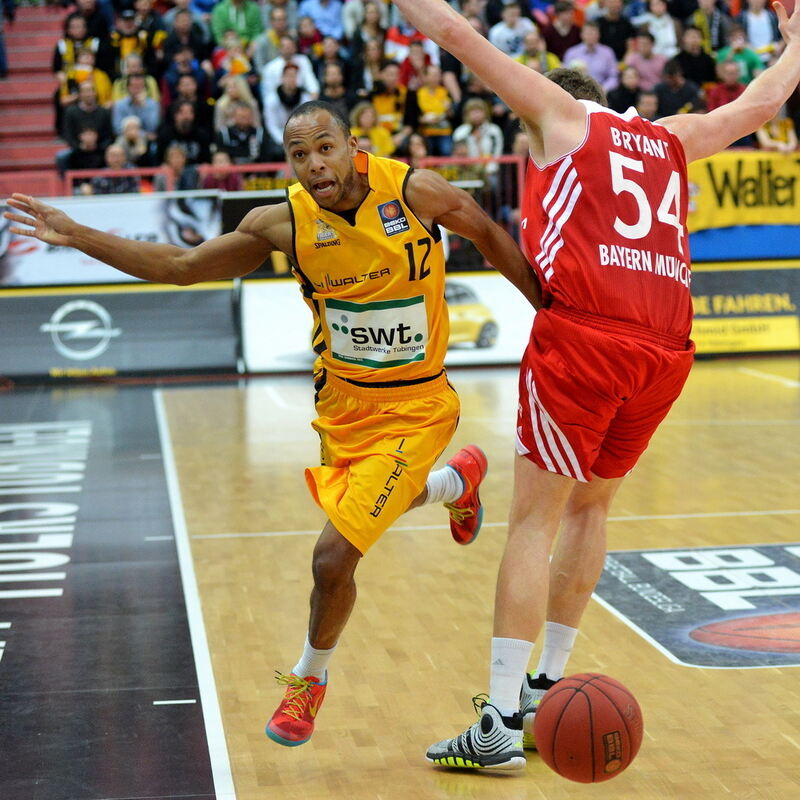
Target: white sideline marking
x=158, y=538
x=172, y=702
x=768, y=376
x=640, y=518
x=215, y=733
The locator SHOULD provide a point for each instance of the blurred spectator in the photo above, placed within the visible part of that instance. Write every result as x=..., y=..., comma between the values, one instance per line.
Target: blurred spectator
x=364, y=122
x=738, y=50
x=563, y=33
x=185, y=33
x=483, y=138
x=713, y=23
x=675, y=94
x=596, y=59
x=327, y=16
x=371, y=27
x=267, y=45
x=627, y=93
x=187, y=91
x=184, y=131
x=663, y=27
x=332, y=54
x=334, y=90
x=289, y=6
x=184, y=175
x=127, y=37
x=417, y=150
x=761, y=29
x=149, y=19
x=697, y=65
x=279, y=104
x=237, y=90
x=231, y=59
x=309, y=38
x=137, y=104
x=86, y=113
x=198, y=22
x=413, y=67
x=272, y=73
x=133, y=65
x=98, y=20
x=361, y=22
x=115, y=184
x=75, y=39
x=87, y=153
x=83, y=71
x=728, y=88
x=534, y=54
x=615, y=29
x=492, y=10
x=397, y=108
x=399, y=38
x=242, y=16
x=134, y=142
x=243, y=141
x=9, y=12
x=647, y=106
x=647, y=63
x=221, y=178
x=435, y=108
x=778, y=134
x=509, y=34
x=183, y=63
x=364, y=143
x=367, y=70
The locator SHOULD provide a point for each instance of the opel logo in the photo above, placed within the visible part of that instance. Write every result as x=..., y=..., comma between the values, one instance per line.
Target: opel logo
x=80, y=330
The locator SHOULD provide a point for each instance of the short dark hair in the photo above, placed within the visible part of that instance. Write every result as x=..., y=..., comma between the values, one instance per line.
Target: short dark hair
x=646, y=32
x=673, y=67
x=312, y=106
x=580, y=85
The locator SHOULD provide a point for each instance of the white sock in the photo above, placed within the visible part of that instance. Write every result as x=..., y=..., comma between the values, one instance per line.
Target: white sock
x=313, y=662
x=444, y=486
x=558, y=643
x=509, y=662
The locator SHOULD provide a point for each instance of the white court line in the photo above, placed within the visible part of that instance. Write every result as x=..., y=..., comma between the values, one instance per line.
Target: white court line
x=172, y=702
x=276, y=398
x=736, y=423
x=640, y=518
x=5, y=625
x=158, y=538
x=212, y=716
x=768, y=376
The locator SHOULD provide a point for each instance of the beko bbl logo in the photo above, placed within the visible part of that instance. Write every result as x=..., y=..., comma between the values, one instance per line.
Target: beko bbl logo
x=81, y=329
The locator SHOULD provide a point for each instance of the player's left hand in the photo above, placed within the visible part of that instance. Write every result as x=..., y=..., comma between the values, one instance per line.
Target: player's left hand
x=44, y=222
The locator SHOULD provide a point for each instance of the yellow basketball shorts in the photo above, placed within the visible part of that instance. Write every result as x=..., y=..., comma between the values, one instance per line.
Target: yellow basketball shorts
x=377, y=446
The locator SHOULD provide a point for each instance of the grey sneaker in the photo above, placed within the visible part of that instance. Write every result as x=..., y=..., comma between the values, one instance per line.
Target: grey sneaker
x=531, y=694
x=493, y=742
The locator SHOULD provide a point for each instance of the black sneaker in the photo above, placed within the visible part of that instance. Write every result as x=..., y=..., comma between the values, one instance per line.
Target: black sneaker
x=531, y=694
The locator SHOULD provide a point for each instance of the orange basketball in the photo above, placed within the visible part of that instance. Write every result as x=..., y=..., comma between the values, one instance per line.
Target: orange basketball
x=588, y=728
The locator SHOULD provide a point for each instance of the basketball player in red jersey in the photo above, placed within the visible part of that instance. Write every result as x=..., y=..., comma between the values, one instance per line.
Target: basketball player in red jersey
x=604, y=224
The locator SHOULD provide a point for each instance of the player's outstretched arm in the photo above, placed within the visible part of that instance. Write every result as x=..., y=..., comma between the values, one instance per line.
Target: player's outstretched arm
x=438, y=202
x=538, y=101
x=228, y=256
x=703, y=135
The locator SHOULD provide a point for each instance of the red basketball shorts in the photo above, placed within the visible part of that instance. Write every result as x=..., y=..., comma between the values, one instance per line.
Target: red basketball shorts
x=591, y=395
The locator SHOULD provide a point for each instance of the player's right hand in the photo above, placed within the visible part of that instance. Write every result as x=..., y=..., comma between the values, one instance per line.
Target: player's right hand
x=788, y=26
x=44, y=222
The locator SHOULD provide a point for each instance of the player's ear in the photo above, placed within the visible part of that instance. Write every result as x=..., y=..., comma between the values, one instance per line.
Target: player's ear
x=352, y=144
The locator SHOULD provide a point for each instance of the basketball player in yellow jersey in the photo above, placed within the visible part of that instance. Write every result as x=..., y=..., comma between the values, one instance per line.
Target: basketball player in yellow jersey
x=362, y=235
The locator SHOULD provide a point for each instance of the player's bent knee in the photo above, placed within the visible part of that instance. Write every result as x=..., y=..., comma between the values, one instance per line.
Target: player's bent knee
x=334, y=562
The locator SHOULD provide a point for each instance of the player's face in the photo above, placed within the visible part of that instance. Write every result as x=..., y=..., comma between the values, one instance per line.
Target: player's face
x=322, y=158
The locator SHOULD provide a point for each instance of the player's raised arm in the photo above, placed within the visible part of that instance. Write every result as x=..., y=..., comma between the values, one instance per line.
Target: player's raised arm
x=232, y=255
x=539, y=102
x=438, y=202
x=703, y=135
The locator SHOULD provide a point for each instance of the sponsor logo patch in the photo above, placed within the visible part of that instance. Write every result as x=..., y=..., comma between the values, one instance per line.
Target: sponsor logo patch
x=393, y=218
x=710, y=607
x=326, y=235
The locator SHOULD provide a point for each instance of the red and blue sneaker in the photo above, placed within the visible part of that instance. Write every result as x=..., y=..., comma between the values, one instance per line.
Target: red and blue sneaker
x=466, y=513
x=293, y=721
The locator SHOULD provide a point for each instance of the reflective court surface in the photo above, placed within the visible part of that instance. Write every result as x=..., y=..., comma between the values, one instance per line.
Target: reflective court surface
x=187, y=575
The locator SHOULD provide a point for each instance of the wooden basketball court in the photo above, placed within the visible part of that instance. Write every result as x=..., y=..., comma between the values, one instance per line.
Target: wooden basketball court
x=137, y=658
x=722, y=471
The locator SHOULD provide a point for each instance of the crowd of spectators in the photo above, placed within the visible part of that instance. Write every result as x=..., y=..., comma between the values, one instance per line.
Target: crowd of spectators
x=182, y=83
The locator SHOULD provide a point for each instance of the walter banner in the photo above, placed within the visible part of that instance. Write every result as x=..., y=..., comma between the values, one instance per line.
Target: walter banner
x=738, y=187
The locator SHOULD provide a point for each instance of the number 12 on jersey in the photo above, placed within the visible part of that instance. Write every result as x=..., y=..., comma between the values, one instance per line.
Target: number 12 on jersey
x=668, y=210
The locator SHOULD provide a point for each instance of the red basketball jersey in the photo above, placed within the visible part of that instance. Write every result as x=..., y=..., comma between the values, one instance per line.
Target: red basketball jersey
x=605, y=225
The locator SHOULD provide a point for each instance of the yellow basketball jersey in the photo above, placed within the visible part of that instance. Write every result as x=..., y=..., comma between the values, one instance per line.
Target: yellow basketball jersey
x=376, y=286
